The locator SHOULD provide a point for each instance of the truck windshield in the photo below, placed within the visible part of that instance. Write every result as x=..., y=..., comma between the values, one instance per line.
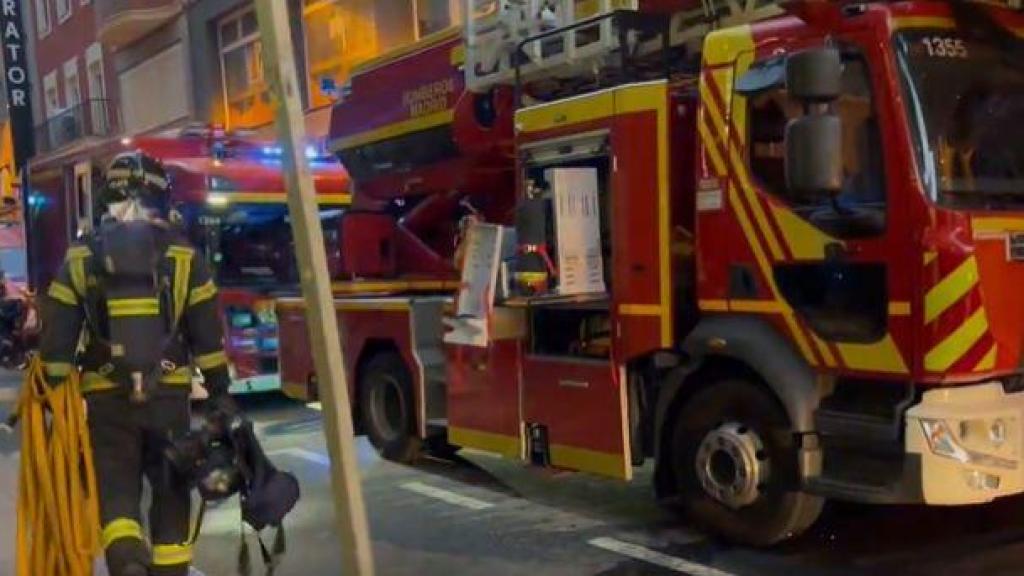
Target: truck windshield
x=966, y=104
x=251, y=246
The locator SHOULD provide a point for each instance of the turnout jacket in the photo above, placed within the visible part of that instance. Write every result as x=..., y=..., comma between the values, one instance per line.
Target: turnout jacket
x=110, y=318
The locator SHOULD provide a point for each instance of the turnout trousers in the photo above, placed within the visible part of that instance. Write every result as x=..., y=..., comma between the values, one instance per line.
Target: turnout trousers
x=128, y=445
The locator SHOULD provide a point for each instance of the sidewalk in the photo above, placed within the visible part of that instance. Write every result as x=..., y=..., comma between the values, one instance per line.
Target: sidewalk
x=9, y=385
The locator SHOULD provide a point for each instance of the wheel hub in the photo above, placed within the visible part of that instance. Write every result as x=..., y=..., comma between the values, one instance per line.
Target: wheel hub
x=732, y=465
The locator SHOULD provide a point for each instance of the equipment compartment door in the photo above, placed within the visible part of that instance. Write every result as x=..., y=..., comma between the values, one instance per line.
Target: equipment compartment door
x=483, y=397
x=580, y=404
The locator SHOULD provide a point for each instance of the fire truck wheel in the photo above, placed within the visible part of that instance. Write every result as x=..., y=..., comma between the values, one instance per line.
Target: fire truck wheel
x=735, y=461
x=387, y=405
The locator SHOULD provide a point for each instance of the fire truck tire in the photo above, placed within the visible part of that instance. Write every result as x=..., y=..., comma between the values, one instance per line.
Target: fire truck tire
x=387, y=405
x=735, y=459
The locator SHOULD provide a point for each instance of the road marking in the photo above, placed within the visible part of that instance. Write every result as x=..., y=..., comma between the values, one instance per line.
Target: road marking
x=304, y=454
x=315, y=406
x=446, y=496
x=657, y=558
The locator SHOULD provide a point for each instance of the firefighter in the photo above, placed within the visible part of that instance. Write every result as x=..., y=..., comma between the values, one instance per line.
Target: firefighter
x=133, y=308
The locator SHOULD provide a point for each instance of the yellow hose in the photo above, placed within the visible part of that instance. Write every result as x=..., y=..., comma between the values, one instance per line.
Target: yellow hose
x=58, y=506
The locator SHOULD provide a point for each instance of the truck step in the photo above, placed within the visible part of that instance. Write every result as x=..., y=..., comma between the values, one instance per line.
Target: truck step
x=865, y=428
x=907, y=492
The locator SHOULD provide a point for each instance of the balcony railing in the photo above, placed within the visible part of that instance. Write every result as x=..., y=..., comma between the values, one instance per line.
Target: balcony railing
x=121, y=22
x=92, y=118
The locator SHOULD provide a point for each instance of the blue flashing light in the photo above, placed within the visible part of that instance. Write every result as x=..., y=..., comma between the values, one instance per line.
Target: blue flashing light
x=35, y=200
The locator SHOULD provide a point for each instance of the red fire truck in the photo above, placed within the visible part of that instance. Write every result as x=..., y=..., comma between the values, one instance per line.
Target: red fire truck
x=229, y=189
x=777, y=250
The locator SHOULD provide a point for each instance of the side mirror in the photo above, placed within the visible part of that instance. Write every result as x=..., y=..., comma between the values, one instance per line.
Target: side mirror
x=814, y=156
x=815, y=75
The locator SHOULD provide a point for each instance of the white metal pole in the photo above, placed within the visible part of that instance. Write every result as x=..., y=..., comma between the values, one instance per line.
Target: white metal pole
x=350, y=510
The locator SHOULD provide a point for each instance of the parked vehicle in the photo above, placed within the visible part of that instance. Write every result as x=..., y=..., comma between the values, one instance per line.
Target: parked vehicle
x=777, y=250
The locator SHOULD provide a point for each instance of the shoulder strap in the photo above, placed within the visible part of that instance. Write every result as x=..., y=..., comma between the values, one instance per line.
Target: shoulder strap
x=181, y=257
x=81, y=260
x=173, y=284
x=77, y=257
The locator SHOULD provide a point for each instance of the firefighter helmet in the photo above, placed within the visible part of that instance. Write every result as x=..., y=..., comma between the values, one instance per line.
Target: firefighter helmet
x=135, y=176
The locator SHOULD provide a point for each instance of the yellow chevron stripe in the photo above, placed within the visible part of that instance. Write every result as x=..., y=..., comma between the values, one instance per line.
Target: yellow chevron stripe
x=881, y=356
x=755, y=205
x=988, y=362
x=719, y=126
x=950, y=290
x=824, y=350
x=804, y=240
x=762, y=261
x=958, y=343
x=722, y=49
x=710, y=106
x=711, y=149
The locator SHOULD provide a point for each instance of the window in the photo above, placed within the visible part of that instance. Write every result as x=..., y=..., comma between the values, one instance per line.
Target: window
x=98, y=111
x=340, y=34
x=963, y=91
x=155, y=91
x=43, y=24
x=63, y=10
x=246, y=98
x=52, y=96
x=435, y=15
x=863, y=193
x=72, y=88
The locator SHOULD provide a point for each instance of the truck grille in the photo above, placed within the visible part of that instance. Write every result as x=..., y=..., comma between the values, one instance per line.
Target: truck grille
x=1015, y=248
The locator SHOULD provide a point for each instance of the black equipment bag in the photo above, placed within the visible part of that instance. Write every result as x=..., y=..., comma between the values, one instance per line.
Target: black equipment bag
x=268, y=494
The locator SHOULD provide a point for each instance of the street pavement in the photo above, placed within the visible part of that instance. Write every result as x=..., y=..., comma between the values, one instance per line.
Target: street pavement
x=480, y=515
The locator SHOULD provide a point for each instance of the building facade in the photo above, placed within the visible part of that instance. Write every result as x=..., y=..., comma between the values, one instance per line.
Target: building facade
x=116, y=68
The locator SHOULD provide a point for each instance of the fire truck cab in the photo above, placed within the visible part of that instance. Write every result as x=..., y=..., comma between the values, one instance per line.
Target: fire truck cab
x=777, y=251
